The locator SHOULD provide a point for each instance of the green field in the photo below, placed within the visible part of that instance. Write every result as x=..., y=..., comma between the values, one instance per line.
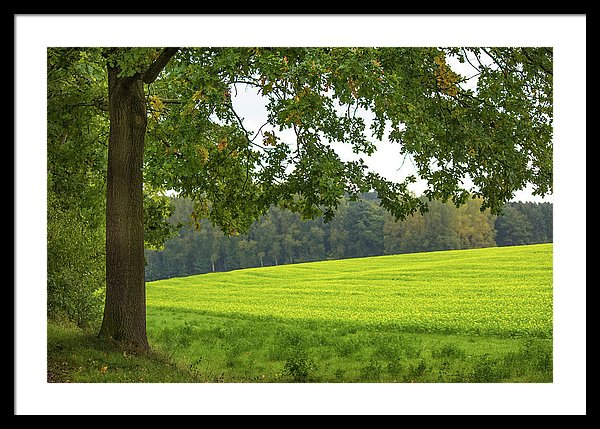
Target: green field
x=481, y=315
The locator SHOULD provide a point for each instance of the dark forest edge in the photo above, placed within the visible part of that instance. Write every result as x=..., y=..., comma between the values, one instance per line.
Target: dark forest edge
x=360, y=229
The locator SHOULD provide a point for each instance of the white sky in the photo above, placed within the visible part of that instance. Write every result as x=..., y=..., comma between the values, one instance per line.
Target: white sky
x=567, y=34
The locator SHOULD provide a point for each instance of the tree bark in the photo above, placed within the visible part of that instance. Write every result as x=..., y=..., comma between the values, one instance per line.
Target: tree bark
x=125, y=306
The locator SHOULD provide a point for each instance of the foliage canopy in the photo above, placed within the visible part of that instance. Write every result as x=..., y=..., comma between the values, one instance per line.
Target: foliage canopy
x=497, y=134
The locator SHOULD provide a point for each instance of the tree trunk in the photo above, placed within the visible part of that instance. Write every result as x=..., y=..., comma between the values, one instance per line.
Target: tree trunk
x=125, y=307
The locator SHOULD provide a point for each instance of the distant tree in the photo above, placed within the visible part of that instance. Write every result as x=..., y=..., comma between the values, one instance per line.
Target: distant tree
x=338, y=233
x=391, y=234
x=525, y=223
x=540, y=221
x=364, y=224
x=314, y=244
x=265, y=233
x=292, y=243
x=247, y=249
x=443, y=227
x=548, y=221
x=474, y=227
x=276, y=251
x=441, y=223
x=513, y=227
x=403, y=236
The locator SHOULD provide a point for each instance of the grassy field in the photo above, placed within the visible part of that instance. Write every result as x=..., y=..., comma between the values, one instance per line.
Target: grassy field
x=481, y=315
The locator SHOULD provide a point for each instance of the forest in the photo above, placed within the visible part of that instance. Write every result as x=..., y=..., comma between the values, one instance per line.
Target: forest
x=360, y=228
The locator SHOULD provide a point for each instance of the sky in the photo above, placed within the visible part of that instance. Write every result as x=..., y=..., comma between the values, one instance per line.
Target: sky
x=567, y=34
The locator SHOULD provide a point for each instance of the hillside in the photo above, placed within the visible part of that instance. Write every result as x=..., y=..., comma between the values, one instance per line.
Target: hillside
x=504, y=291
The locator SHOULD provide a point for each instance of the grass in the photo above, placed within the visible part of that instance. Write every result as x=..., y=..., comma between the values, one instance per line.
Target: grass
x=78, y=356
x=503, y=291
x=481, y=315
x=226, y=349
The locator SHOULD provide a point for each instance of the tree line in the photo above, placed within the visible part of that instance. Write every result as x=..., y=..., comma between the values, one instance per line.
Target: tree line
x=360, y=228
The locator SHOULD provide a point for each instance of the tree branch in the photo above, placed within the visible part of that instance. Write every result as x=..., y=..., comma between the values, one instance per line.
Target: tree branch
x=469, y=61
x=170, y=100
x=156, y=67
x=247, y=134
x=100, y=104
x=488, y=53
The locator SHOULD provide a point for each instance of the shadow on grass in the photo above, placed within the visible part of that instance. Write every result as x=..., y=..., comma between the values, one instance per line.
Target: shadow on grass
x=78, y=356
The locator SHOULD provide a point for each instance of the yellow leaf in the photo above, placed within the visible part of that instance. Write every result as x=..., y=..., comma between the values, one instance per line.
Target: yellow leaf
x=156, y=103
x=222, y=144
x=197, y=95
x=269, y=139
x=103, y=369
x=202, y=154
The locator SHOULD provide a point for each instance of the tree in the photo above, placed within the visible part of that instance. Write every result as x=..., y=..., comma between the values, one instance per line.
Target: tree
x=247, y=253
x=266, y=236
x=75, y=264
x=512, y=227
x=314, y=244
x=475, y=228
x=292, y=243
x=364, y=228
x=440, y=224
x=215, y=247
x=75, y=185
x=338, y=234
x=548, y=222
x=540, y=220
x=173, y=125
x=434, y=230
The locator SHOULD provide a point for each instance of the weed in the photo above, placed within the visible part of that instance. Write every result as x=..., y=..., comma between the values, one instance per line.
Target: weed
x=299, y=366
x=289, y=338
x=395, y=367
x=339, y=374
x=450, y=351
x=384, y=350
x=485, y=370
x=417, y=371
x=371, y=372
x=345, y=347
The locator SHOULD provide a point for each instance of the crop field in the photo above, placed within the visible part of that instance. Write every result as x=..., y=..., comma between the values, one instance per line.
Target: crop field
x=480, y=315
